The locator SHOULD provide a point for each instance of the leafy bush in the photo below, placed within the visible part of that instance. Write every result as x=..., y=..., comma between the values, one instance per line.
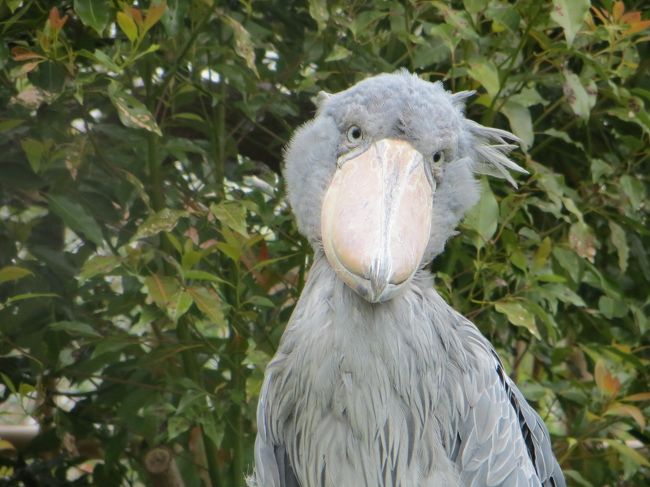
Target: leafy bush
x=149, y=262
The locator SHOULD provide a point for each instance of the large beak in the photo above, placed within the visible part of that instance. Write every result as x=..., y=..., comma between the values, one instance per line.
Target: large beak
x=376, y=218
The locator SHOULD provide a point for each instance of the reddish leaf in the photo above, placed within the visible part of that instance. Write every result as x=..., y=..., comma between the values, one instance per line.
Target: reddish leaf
x=631, y=17
x=618, y=409
x=55, y=19
x=637, y=27
x=136, y=15
x=600, y=13
x=617, y=11
x=23, y=54
x=641, y=396
x=605, y=381
x=154, y=14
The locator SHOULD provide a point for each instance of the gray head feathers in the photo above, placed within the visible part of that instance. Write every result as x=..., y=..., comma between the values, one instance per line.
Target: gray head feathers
x=401, y=106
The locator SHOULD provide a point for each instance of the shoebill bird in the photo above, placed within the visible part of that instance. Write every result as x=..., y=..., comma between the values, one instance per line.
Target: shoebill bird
x=377, y=380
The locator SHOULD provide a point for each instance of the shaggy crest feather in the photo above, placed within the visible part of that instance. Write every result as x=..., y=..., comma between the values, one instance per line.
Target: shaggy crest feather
x=491, y=157
x=405, y=393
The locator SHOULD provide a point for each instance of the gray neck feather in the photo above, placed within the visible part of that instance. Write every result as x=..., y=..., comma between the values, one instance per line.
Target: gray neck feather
x=352, y=381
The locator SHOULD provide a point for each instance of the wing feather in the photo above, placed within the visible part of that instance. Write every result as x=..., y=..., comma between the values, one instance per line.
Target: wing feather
x=502, y=440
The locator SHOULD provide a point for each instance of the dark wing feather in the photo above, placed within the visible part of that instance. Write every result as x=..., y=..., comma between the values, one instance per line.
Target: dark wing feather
x=502, y=441
x=538, y=442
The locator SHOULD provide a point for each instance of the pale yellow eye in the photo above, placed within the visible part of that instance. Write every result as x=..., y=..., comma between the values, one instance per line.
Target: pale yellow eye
x=355, y=134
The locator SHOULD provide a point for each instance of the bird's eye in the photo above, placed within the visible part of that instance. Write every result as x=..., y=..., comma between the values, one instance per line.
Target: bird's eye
x=438, y=156
x=354, y=134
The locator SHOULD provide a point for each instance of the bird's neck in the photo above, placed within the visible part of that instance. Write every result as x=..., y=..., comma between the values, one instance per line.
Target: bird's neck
x=341, y=354
x=329, y=306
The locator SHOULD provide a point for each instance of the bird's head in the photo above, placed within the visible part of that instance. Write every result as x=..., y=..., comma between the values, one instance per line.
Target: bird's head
x=384, y=172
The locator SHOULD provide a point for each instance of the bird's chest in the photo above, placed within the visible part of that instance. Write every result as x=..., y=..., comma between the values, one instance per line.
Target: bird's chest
x=361, y=409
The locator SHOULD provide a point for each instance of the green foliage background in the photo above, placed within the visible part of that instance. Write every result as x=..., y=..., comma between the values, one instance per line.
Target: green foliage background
x=149, y=262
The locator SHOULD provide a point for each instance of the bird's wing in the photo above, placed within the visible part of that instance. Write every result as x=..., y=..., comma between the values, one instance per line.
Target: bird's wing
x=272, y=467
x=501, y=440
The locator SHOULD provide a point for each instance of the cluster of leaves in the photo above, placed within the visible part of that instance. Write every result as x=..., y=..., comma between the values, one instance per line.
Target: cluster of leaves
x=149, y=263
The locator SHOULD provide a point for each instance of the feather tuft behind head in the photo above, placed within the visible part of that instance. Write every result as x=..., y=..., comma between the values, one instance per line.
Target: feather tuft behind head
x=491, y=149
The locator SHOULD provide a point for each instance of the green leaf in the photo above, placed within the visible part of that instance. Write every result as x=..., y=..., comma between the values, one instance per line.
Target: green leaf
x=6, y=445
x=177, y=425
x=13, y=273
x=521, y=123
x=93, y=13
x=139, y=187
x=203, y=276
x=50, y=76
x=460, y=21
x=570, y=15
x=76, y=217
x=111, y=344
x=232, y=251
x=189, y=116
x=13, y=4
x=365, y=21
x=612, y=308
x=243, y=44
x=577, y=478
x=564, y=294
x=619, y=240
x=9, y=383
x=24, y=296
x=475, y=6
x=131, y=111
x=318, y=11
x=518, y=315
x=148, y=50
x=549, y=278
x=179, y=305
x=599, y=169
x=483, y=218
x=261, y=301
x=127, y=24
x=75, y=328
x=504, y=17
x=208, y=301
x=10, y=123
x=569, y=261
x=485, y=72
x=99, y=264
x=581, y=99
x=529, y=97
x=25, y=390
x=163, y=221
x=161, y=289
x=634, y=189
x=628, y=452
x=540, y=259
x=34, y=150
x=103, y=59
x=338, y=53
x=583, y=240
x=231, y=214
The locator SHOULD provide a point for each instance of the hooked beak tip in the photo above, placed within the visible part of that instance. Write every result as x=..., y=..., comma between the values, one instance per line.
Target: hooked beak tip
x=379, y=278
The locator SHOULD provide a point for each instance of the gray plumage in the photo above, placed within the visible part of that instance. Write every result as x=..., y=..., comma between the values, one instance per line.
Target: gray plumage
x=405, y=392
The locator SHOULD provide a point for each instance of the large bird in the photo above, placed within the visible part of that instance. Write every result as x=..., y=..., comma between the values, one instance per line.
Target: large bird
x=377, y=380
